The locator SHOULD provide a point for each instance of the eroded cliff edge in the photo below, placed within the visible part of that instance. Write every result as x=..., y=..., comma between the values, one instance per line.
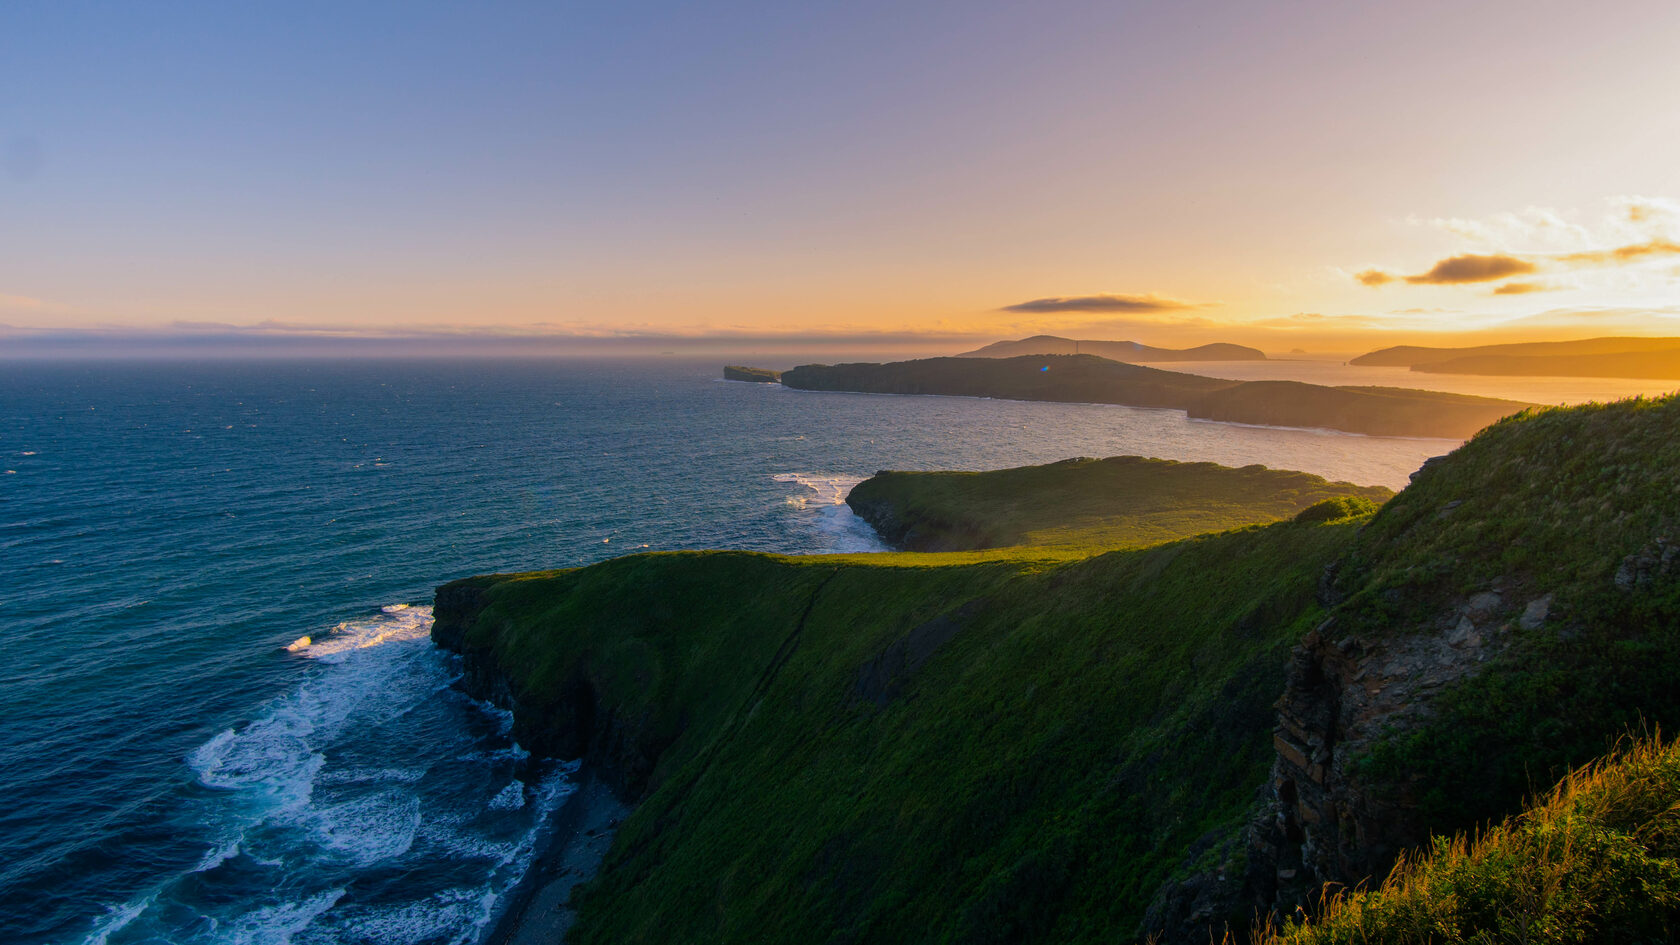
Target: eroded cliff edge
x=1510, y=616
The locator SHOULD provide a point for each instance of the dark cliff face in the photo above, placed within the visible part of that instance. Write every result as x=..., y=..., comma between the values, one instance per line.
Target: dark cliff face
x=569, y=723
x=1320, y=818
x=1325, y=820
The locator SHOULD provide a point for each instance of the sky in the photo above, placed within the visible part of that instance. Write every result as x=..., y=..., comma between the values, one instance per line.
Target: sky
x=930, y=176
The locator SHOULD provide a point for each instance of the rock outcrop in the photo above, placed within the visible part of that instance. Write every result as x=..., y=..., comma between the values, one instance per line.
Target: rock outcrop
x=736, y=372
x=1320, y=819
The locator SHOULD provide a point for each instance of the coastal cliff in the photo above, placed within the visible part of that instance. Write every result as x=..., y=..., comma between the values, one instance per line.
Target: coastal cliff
x=1173, y=740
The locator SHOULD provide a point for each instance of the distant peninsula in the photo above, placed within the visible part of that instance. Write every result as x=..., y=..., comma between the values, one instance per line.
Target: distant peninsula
x=735, y=372
x=1091, y=505
x=1657, y=358
x=1084, y=378
x=1114, y=350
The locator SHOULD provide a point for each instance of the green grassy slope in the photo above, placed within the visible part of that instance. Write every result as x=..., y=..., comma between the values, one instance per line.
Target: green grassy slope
x=1579, y=505
x=872, y=748
x=1024, y=744
x=1596, y=860
x=1084, y=504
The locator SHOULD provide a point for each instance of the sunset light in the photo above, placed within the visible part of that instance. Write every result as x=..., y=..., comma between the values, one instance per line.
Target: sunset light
x=649, y=174
x=882, y=472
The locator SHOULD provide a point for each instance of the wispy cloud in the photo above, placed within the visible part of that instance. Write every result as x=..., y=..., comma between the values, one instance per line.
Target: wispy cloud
x=1627, y=234
x=1455, y=270
x=1621, y=254
x=21, y=301
x=1131, y=304
x=1524, y=288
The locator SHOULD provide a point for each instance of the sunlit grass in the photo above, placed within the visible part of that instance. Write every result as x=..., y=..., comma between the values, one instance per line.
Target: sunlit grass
x=1595, y=860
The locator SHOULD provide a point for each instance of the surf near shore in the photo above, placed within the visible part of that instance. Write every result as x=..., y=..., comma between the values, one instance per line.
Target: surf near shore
x=537, y=909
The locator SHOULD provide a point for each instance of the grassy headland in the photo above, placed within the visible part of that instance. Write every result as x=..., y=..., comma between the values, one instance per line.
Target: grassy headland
x=1084, y=378
x=1020, y=745
x=1086, y=504
x=880, y=749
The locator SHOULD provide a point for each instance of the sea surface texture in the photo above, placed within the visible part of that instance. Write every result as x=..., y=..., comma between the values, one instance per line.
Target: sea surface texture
x=225, y=722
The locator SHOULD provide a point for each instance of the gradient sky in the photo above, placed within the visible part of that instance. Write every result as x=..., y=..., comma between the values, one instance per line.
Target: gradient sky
x=1284, y=173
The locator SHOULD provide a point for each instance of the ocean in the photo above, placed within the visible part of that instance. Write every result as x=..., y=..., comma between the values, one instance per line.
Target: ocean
x=225, y=721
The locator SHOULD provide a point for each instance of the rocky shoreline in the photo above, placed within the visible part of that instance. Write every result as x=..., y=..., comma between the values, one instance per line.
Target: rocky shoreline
x=537, y=911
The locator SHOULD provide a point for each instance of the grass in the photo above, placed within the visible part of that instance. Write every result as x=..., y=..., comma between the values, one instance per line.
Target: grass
x=1023, y=744
x=1036, y=777
x=1595, y=860
x=1550, y=503
x=1554, y=499
x=1086, y=504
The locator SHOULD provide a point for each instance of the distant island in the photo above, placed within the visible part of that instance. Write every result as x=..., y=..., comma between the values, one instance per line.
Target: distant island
x=735, y=372
x=1084, y=378
x=1591, y=357
x=1114, y=350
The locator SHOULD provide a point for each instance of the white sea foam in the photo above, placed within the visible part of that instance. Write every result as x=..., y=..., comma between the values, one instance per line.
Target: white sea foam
x=825, y=489
x=116, y=919
x=403, y=623
x=462, y=909
x=825, y=500
x=329, y=780
x=511, y=797
x=843, y=532
x=368, y=830
x=217, y=856
x=276, y=924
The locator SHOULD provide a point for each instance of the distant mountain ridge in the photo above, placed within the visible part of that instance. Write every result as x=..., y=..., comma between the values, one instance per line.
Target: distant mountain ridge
x=1588, y=357
x=1114, y=350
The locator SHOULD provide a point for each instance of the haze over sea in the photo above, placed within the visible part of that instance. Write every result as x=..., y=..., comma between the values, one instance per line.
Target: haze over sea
x=225, y=720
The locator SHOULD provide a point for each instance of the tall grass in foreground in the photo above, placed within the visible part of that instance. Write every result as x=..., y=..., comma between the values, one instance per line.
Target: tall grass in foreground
x=1596, y=860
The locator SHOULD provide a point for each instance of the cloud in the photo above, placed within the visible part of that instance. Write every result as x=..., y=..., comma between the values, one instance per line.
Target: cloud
x=1622, y=254
x=1523, y=288
x=21, y=301
x=1133, y=304
x=1454, y=270
x=1457, y=270
x=1628, y=233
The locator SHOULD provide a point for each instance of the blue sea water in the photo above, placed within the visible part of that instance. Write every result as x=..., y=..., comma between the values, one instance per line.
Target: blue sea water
x=224, y=721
